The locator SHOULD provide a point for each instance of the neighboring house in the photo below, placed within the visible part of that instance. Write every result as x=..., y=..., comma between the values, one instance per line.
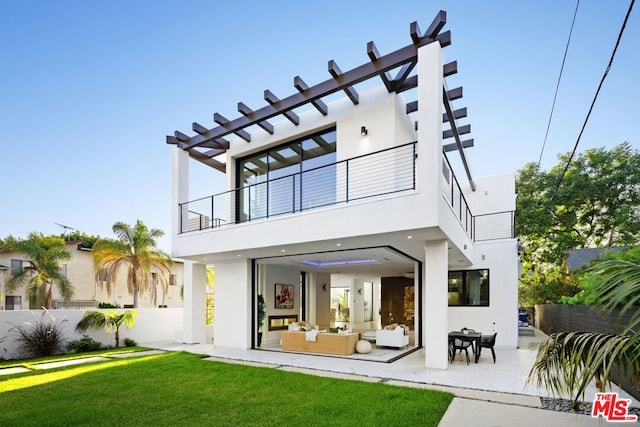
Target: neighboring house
x=357, y=194
x=81, y=273
x=579, y=258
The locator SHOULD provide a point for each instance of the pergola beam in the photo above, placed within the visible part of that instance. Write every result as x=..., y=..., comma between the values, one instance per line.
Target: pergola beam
x=374, y=55
x=274, y=101
x=468, y=143
x=336, y=73
x=456, y=134
x=242, y=108
x=460, y=113
x=224, y=122
x=462, y=130
x=303, y=88
x=350, y=78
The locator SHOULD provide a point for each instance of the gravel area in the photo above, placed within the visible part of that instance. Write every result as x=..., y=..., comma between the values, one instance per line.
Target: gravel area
x=565, y=405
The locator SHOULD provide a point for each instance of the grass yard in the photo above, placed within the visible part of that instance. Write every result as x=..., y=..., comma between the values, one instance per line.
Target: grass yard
x=181, y=389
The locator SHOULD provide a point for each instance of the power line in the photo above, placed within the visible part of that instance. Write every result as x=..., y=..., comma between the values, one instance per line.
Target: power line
x=595, y=97
x=555, y=95
x=604, y=76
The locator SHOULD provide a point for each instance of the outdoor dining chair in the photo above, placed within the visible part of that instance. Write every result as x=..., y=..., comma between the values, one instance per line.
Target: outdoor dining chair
x=488, y=341
x=457, y=344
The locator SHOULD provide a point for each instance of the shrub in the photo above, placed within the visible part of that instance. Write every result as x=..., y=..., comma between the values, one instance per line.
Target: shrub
x=128, y=342
x=83, y=345
x=42, y=338
x=108, y=305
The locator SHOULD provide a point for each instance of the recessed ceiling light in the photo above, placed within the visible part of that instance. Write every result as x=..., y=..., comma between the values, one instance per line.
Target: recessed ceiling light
x=239, y=254
x=338, y=244
x=409, y=237
x=283, y=250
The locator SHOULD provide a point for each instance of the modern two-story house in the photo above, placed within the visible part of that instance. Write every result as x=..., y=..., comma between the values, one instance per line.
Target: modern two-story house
x=349, y=183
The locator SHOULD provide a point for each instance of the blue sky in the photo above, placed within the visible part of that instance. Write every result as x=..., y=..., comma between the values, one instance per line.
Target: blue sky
x=90, y=89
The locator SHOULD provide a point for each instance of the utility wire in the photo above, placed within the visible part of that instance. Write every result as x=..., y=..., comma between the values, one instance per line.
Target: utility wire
x=604, y=76
x=584, y=125
x=555, y=95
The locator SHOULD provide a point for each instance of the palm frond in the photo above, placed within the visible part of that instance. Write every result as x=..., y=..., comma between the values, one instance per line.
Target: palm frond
x=91, y=319
x=566, y=363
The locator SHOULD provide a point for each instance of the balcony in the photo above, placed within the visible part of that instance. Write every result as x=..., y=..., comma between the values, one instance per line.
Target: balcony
x=377, y=174
x=372, y=175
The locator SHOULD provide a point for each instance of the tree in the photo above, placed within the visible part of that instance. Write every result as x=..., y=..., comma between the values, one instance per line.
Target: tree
x=110, y=321
x=568, y=362
x=42, y=270
x=135, y=250
x=596, y=205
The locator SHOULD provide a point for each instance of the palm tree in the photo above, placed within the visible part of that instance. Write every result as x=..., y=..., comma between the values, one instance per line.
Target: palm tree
x=42, y=271
x=135, y=250
x=110, y=321
x=568, y=362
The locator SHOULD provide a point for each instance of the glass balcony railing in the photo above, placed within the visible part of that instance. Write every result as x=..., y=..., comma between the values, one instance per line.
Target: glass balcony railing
x=383, y=172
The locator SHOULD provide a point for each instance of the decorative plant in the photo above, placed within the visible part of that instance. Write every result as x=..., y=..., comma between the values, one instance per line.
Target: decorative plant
x=110, y=321
x=262, y=311
x=42, y=338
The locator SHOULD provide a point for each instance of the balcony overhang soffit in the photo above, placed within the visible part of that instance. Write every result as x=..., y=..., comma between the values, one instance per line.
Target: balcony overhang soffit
x=209, y=143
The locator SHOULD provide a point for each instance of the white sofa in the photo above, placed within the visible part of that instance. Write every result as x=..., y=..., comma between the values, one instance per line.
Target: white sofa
x=392, y=338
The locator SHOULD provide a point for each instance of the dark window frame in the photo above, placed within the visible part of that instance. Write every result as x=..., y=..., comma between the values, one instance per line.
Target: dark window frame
x=465, y=286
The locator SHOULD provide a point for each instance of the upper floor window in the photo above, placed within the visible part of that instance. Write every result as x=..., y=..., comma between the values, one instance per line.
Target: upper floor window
x=294, y=176
x=469, y=287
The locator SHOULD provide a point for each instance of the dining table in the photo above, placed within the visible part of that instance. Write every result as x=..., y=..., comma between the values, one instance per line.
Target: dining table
x=473, y=337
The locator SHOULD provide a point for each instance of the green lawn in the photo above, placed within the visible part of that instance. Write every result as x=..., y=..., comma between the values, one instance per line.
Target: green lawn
x=181, y=389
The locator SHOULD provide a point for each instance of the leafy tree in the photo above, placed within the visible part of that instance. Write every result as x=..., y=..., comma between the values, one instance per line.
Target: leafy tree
x=588, y=281
x=544, y=284
x=596, y=205
x=110, y=321
x=42, y=270
x=566, y=363
x=135, y=250
x=87, y=239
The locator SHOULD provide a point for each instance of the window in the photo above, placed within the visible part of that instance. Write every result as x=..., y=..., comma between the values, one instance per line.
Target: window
x=12, y=302
x=63, y=270
x=289, y=178
x=174, y=280
x=16, y=266
x=469, y=288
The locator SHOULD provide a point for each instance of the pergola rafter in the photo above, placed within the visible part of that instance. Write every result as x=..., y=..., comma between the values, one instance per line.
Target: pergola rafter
x=403, y=60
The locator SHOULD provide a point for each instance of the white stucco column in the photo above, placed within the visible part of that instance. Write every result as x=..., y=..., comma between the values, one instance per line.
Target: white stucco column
x=195, y=283
x=436, y=310
x=232, y=304
x=179, y=186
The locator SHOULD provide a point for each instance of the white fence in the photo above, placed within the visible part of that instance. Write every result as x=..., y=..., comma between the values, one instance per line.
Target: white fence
x=152, y=325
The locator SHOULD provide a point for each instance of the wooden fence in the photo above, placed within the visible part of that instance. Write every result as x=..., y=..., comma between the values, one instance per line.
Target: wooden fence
x=551, y=318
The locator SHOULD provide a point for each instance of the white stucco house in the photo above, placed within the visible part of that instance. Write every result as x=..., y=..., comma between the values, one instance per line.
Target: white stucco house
x=358, y=192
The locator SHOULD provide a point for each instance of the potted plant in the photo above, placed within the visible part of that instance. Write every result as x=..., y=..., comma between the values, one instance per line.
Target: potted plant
x=262, y=313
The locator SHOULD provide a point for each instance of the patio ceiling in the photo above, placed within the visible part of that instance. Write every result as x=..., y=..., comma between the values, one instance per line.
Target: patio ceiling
x=396, y=70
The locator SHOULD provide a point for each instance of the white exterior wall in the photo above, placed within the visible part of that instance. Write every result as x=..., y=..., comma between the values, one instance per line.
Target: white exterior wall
x=232, y=304
x=502, y=313
x=152, y=325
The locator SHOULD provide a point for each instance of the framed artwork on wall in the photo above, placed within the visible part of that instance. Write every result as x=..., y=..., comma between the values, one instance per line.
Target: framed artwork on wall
x=284, y=296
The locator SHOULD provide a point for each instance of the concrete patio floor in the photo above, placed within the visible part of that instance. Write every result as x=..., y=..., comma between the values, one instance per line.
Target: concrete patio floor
x=486, y=393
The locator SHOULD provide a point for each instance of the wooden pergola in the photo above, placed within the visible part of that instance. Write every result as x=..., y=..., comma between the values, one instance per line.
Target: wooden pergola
x=210, y=143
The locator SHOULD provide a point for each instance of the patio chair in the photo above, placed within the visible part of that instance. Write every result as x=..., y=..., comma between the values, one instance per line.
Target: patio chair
x=488, y=341
x=457, y=344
